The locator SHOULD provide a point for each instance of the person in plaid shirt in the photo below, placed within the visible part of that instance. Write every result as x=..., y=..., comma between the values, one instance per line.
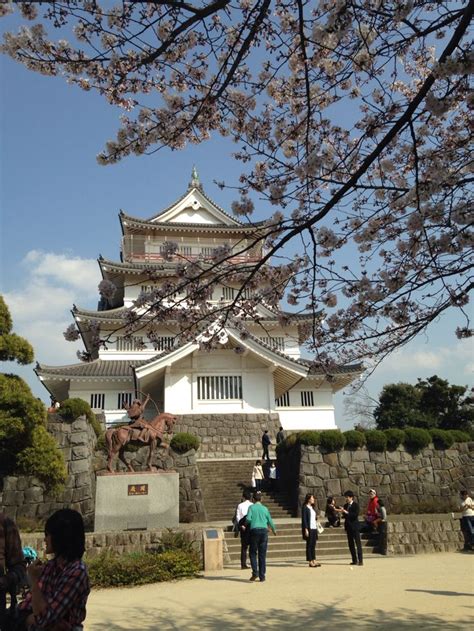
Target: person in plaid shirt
x=12, y=564
x=59, y=588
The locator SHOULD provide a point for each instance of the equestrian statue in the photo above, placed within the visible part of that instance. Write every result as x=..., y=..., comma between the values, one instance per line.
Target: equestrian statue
x=138, y=431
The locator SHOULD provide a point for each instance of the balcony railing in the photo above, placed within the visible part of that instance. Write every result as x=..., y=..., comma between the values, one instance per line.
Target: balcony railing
x=139, y=248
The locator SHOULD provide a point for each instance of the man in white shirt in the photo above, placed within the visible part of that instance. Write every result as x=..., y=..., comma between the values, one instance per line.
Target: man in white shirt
x=240, y=515
x=467, y=519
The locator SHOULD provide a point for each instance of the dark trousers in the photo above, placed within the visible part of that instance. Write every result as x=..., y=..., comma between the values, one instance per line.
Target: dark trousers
x=265, y=454
x=467, y=529
x=353, y=539
x=2, y=609
x=311, y=545
x=244, y=546
x=258, y=547
x=382, y=527
x=258, y=485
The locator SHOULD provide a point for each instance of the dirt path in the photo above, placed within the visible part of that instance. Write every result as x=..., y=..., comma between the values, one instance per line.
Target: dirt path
x=429, y=592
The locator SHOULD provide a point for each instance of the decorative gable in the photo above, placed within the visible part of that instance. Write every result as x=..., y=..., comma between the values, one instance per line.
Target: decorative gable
x=195, y=208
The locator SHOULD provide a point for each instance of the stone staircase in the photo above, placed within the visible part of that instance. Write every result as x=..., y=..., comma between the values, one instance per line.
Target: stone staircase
x=288, y=545
x=222, y=483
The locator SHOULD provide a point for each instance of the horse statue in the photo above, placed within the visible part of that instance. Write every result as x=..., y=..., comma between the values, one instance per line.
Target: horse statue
x=139, y=431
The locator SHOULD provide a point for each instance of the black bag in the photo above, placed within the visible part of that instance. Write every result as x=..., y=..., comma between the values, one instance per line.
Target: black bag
x=13, y=619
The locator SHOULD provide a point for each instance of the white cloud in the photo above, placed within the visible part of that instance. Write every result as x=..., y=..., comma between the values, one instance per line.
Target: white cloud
x=40, y=306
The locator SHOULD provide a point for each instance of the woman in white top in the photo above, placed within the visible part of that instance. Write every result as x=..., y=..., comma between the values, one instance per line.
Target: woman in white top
x=257, y=475
x=309, y=531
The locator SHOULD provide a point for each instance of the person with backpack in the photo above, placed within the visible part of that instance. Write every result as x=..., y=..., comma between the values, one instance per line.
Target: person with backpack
x=12, y=565
x=241, y=518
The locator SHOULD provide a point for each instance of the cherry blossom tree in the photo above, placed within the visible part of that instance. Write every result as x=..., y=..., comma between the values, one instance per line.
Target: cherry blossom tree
x=351, y=117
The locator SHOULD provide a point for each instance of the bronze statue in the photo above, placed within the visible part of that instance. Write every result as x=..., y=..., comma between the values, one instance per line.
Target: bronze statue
x=138, y=431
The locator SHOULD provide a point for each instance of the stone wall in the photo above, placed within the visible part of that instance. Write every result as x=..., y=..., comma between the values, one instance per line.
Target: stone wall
x=229, y=435
x=24, y=496
x=401, y=478
x=437, y=533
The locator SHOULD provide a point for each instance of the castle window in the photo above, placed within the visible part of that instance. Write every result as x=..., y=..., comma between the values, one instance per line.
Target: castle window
x=283, y=401
x=307, y=398
x=134, y=343
x=222, y=387
x=229, y=293
x=124, y=398
x=163, y=343
x=278, y=343
x=97, y=400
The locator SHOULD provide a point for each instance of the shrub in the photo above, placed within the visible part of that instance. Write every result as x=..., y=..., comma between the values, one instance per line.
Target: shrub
x=109, y=569
x=73, y=408
x=183, y=442
x=416, y=439
x=332, y=440
x=174, y=540
x=459, y=436
x=375, y=440
x=290, y=441
x=44, y=461
x=441, y=438
x=309, y=437
x=354, y=439
x=395, y=438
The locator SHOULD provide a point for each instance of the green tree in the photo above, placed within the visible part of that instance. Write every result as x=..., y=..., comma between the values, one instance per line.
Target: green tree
x=25, y=445
x=399, y=406
x=430, y=403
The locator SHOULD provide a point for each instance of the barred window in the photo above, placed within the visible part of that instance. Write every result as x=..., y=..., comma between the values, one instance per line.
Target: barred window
x=219, y=387
x=307, y=398
x=185, y=250
x=98, y=400
x=283, y=401
x=277, y=343
x=146, y=289
x=207, y=251
x=133, y=343
x=229, y=293
x=124, y=398
x=163, y=343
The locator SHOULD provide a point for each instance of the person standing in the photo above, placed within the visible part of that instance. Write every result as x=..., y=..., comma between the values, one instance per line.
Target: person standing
x=272, y=476
x=351, y=526
x=309, y=531
x=280, y=435
x=12, y=563
x=266, y=442
x=467, y=519
x=259, y=521
x=371, y=513
x=59, y=588
x=257, y=475
x=381, y=525
x=240, y=516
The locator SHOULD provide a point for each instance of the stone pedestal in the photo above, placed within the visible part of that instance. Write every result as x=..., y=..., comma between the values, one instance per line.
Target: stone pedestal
x=141, y=500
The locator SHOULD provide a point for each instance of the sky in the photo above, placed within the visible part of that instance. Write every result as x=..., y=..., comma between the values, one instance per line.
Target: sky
x=59, y=211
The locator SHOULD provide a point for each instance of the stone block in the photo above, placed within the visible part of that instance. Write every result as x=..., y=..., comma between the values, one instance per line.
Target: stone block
x=345, y=458
x=360, y=455
x=78, y=466
x=322, y=470
x=34, y=495
x=378, y=457
x=79, y=452
x=393, y=457
x=370, y=467
x=356, y=467
x=331, y=459
x=333, y=487
x=119, y=508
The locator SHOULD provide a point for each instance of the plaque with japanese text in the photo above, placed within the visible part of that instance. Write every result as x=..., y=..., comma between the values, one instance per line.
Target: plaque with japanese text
x=138, y=489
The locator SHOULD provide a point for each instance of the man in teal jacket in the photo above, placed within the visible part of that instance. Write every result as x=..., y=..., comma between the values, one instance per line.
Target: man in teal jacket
x=259, y=521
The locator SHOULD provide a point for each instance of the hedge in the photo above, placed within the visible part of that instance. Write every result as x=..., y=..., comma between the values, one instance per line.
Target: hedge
x=332, y=440
x=354, y=439
x=395, y=438
x=416, y=439
x=71, y=409
x=110, y=569
x=309, y=437
x=44, y=461
x=441, y=438
x=376, y=440
x=183, y=442
x=459, y=436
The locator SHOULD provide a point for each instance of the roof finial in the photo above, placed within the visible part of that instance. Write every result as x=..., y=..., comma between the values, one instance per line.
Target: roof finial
x=195, y=183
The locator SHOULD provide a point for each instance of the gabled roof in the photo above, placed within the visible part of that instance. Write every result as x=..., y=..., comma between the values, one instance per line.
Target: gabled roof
x=113, y=369
x=193, y=209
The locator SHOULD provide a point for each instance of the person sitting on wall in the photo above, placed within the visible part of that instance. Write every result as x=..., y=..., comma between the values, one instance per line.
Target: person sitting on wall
x=371, y=511
x=333, y=513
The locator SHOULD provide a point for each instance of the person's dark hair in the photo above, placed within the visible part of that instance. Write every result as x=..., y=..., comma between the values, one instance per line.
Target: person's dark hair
x=258, y=462
x=329, y=500
x=265, y=431
x=281, y=428
x=66, y=528
x=257, y=496
x=349, y=494
x=306, y=499
x=464, y=493
x=247, y=495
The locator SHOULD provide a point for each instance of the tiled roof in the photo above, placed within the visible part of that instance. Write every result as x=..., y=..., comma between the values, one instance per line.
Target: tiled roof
x=96, y=368
x=208, y=227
